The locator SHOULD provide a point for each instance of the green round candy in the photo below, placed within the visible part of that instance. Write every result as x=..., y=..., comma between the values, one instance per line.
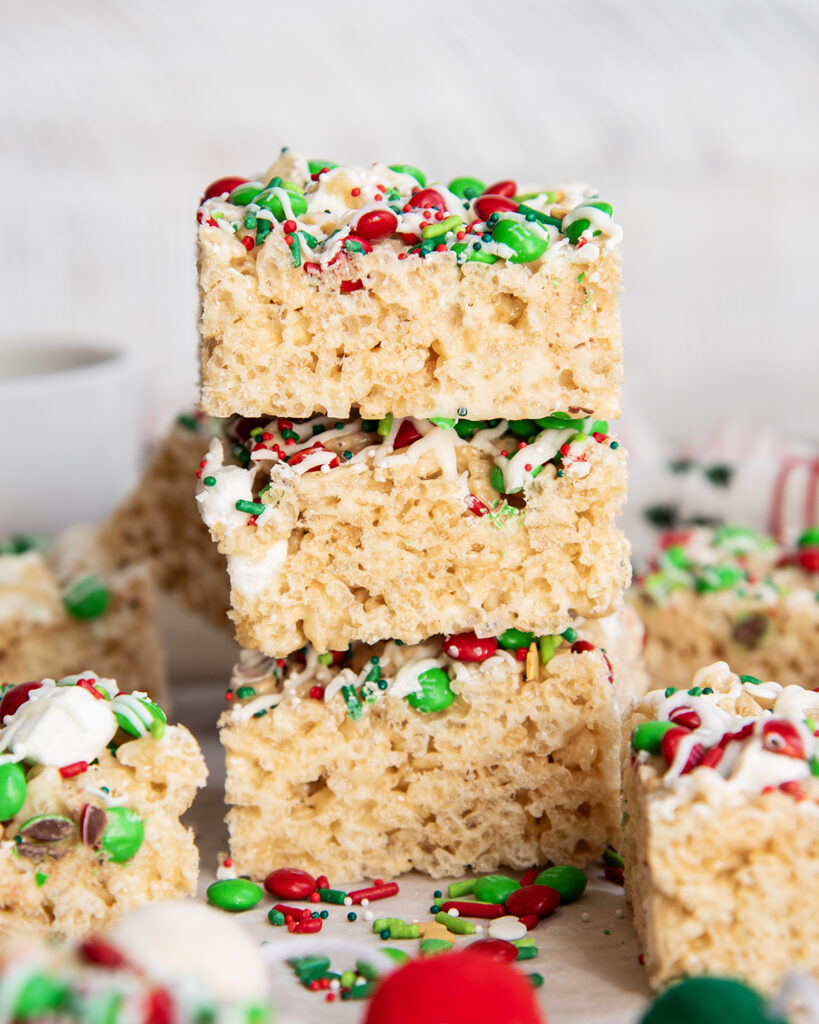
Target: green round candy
x=242, y=195
x=810, y=538
x=40, y=996
x=269, y=200
x=12, y=790
x=705, y=1000
x=86, y=598
x=524, y=428
x=649, y=736
x=527, y=243
x=466, y=188
x=569, y=881
x=512, y=639
x=419, y=176
x=435, y=694
x=234, y=894
x=495, y=888
x=123, y=835
x=317, y=166
x=718, y=577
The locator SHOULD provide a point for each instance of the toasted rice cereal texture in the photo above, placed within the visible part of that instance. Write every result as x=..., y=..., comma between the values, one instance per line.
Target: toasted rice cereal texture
x=720, y=881
x=392, y=549
x=421, y=338
x=39, y=637
x=520, y=769
x=158, y=524
x=84, y=892
x=764, y=623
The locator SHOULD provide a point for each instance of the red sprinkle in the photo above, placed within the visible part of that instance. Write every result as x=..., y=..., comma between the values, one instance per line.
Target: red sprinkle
x=614, y=874
x=77, y=768
x=466, y=908
x=521, y=653
x=351, y=286
x=468, y=647
x=530, y=876
x=322, y=882
x=312, y=924
x=248, y=242
x=98, y=951
x=87, y=684
x=317, y=692
x=355, y=191
x=406, y=434
x=530, y=920
x=476, y=506
x=374, y=892
x=296, y=913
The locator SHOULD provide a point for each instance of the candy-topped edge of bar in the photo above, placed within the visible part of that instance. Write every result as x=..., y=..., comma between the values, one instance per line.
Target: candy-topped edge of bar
x=327, y=211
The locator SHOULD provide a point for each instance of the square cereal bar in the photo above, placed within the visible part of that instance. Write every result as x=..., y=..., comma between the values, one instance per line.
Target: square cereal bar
x=158, y=523
x=365, y=530
x=721, y=820
x=328, y=288
x=459, y=753
x=64, y=607
x=732, y=595
x=92, y=784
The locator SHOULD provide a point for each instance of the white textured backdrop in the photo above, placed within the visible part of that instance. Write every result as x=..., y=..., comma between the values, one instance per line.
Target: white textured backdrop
x=698, y=118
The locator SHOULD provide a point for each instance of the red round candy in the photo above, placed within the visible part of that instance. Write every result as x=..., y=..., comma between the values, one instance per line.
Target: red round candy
x=671, y=740
x=485, y=205
x=376, y=225
x=497, y=949
x=809, y=559
x=454, y=988
x=502, y=188
x=222, y=185
x=540, y=900
x=290, y=884
x=427, y=197
x=685, y=718
x=468, y=647
x=15, y=697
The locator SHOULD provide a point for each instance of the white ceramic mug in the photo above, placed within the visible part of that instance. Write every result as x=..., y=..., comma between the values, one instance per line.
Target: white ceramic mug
x=69, y=445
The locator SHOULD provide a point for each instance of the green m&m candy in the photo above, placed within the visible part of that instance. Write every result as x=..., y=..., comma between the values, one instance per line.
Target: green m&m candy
x=495, y=888
x=123, y=835
x=573, y=226
x=512, y=639
x=86, y=598
x=569, y=881
x=246, y=193
x=527, y=243
x=414, y=172
x=139, y=715
x=435, y=694
x=317, y=166
x=234, y=894
x=466, y=188
x=809, y=539
x=12, y=790
x=649, y=736
x=708, y=1000
x=40, y=997
x=270, y=199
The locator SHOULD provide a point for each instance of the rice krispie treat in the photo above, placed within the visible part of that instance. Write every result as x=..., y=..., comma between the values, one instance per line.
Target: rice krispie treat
x=362, y=530
x=158, y=523
x=721, y=820
x=64, y=606
x=178, y=961
x=92, y=784
x=326, y=288
x=732, y=594
x=459, y=753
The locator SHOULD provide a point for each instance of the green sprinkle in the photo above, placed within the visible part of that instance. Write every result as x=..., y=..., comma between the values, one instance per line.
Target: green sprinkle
x=336, y=896
x=614, y=445
x=245, y=691
x=275, y=917
x=209, y=481
x=580, y=276
x=448, y=224
x=496, y=480
x=326, y=658
x=612, y=858
x=548, y=648
x=442, y=421
x=40, y=879
x=527, y=952
x=352, y=701
x=695, y=691
x=429, y=947
x=670, y=691
x=457, y=925
x=253, y=508
x=569, y=635
x=385, y=425
x=749, y=679
x=462, y=888
x=366, y=970
x=352, y=916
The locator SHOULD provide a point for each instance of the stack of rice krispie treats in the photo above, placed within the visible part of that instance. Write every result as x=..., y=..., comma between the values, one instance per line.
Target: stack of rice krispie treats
x=415, y=487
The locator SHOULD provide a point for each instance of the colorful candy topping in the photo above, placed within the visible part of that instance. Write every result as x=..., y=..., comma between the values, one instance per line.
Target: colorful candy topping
x=326, y=213
x=734, y=558
x=710, y=1000
x=730, y=737
x=426, y=675
x=66, y=724
x=242, y=479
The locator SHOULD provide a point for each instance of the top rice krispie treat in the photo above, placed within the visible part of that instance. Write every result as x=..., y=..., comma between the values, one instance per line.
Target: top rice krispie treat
x=327, y=287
